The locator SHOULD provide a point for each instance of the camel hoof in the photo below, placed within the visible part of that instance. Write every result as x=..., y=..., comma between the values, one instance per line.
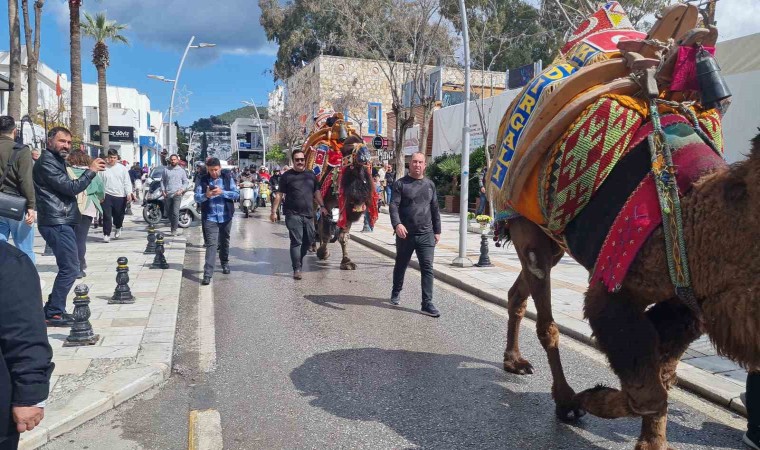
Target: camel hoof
x=347, y=265
x=569, y=413
x=323, y=253
x=646, y=445
x=519, y=366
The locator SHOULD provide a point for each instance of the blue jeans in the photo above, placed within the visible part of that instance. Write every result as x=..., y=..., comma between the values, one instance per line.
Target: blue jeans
x=388, y=190
x=62, y=240
x=23, y=235
x=482, y=205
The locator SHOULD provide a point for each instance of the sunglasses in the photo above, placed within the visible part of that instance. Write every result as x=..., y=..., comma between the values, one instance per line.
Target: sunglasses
x=299, y=159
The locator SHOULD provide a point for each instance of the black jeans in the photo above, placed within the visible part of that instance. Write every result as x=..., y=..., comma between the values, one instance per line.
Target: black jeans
x=62, y=240
x=81, y=233
x=172, y=208
x=10, y=442
x=301, y=231
x=424, y=245
x=753, y=400
x=217, y=237
x=113, y=210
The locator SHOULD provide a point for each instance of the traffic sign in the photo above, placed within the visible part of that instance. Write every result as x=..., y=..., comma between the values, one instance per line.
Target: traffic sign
x=378, y=142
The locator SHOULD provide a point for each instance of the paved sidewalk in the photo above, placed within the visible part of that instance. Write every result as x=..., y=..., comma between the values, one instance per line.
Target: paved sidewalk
x=701, y=370
x=136, y=343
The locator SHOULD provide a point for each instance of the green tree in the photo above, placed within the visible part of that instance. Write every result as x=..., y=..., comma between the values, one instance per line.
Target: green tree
x=102, y=30
x=276, y=154
x=182, y=144
x=204, y=147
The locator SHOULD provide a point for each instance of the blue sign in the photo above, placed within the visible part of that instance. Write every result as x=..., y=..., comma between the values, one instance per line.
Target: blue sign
x=148, y=141
x=244, y=145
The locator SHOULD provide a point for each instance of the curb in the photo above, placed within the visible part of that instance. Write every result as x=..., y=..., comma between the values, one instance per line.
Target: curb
x=153, y=366
x=690, y=378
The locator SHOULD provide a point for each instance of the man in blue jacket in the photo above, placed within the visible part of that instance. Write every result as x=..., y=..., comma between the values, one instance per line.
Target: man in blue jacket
x=216, y=192
x=25, y=354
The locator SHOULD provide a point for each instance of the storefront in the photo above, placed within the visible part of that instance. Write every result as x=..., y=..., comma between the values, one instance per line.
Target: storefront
x=148, y=150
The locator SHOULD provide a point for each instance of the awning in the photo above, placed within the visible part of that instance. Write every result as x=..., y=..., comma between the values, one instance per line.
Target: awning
x=5, y=84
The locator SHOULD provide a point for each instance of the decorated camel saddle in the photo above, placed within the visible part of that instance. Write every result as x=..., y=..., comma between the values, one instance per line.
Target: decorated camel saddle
x=598, y=147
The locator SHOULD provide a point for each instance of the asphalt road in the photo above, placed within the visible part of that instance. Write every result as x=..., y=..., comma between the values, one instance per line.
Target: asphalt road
x=327, y=362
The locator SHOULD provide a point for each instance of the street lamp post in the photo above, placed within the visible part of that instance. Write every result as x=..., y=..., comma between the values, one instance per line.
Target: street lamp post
x=462, y=260
x=261, y=129
x=176, y=81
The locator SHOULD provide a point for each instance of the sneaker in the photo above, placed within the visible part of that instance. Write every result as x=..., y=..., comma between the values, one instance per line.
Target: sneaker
x=395, y=300
x=117, y=235
x=81, y=275
x=430, y=310
x=752, y=438
x=206, y=281
x=106, y=238
x=173, y=232
x=60, y=320
x=225, y=269
x=297, y=275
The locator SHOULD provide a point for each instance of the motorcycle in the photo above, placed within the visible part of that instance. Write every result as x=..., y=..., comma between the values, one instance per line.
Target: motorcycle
x=248, y=201
x=264, y=192
x=154, y=205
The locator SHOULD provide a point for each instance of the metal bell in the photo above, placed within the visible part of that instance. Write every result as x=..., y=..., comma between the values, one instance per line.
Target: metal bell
x=343, y=133
x=711, y=83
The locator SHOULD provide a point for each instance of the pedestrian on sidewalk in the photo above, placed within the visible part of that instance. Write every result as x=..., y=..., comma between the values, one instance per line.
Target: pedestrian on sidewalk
x=216, y=193
x=58, y=214
x=390, y=178
x=300, y=188
x=482, y=188
x=16, y=165
x=118, y=189
x=752, y=402
x=25, y=354
x=417, y=223
x=174, y=183
x=88, y=202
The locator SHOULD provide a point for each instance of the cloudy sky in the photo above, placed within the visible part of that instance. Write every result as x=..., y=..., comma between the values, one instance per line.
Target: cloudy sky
x=237, y=69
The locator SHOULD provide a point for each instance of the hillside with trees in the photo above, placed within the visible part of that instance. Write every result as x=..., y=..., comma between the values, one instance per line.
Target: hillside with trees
x=213, y=122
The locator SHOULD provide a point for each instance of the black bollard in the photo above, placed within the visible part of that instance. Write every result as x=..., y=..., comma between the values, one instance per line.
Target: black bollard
x=48, y=251
x=81, y=332
x=150, y=249
x=122, y=294
x=159, y=262
x=484, y=260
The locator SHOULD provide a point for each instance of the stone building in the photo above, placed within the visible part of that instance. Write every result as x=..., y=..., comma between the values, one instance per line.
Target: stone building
x=359, y=89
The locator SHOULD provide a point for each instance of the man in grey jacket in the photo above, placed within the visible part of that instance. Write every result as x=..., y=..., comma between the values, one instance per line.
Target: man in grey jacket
x=174, y=183
x=18, y=181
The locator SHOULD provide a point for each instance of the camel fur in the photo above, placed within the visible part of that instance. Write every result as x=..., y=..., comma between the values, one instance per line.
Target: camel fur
x=358, y=187
x=644, y=329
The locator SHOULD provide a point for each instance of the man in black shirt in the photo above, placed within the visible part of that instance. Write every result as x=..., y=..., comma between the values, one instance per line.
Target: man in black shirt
x=299, y=186
x=417, y=222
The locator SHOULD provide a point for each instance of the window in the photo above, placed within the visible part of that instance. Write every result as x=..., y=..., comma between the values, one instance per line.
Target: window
x=375, y=118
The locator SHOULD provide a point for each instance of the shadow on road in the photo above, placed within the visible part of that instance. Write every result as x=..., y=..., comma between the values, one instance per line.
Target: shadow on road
x=454, y=401
x=329, y=301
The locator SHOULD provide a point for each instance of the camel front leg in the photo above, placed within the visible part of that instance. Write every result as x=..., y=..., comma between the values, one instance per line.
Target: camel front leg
x=345, y=263
x=517, y=300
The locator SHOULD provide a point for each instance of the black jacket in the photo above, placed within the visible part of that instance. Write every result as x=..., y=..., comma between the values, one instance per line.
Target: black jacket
x=25, y=355
x=56, y=192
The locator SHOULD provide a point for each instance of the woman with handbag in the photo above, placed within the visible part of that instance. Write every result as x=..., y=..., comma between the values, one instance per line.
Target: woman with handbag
x=88, y=201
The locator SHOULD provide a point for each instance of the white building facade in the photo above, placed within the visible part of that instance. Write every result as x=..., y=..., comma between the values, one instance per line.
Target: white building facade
x=248, y=142
x=136, y=131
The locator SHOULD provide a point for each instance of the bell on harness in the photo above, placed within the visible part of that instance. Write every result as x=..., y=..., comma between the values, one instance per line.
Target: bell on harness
x=711, y=83
x=343, y=133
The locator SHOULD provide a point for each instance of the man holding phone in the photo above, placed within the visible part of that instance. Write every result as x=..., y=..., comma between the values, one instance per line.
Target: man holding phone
x=216, y=192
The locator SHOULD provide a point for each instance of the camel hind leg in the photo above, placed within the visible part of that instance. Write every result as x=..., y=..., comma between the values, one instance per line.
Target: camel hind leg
x=324, y=236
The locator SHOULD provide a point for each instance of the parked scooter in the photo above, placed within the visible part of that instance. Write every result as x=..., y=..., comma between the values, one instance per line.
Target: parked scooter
x=154, y=205
x=264, y=192
x=248, y=201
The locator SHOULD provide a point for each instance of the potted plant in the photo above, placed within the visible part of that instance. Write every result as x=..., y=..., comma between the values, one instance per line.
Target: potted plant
x=484, y=221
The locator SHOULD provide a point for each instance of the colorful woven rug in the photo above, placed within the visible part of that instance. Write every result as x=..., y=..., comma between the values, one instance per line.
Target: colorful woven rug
x=583, y=159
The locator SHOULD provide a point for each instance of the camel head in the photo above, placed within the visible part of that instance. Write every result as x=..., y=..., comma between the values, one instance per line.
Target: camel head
x=726, y=239
x=357, y=177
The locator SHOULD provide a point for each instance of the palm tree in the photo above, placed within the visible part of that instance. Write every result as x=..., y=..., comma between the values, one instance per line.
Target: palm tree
x=32, y=52
x=76, y=70
x=14, y=97
x=102, y=30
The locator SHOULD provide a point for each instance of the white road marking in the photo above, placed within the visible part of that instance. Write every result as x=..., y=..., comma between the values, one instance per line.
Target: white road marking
x=205, y=430
x=206, y=325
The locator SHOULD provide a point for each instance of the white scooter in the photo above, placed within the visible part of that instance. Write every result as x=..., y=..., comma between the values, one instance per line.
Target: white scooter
x=248, y=201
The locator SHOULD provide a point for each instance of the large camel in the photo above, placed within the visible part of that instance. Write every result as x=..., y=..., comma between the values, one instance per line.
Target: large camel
x=644, y=344
x=357, y=188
